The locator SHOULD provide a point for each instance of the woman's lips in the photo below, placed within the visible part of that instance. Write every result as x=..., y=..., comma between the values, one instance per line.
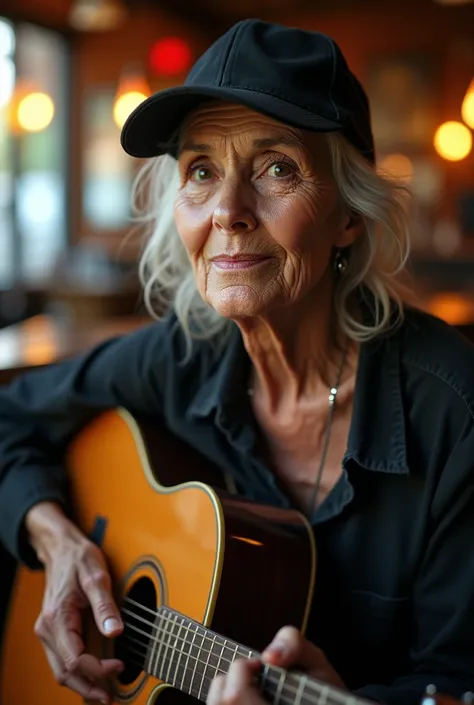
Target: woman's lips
x=238, y=261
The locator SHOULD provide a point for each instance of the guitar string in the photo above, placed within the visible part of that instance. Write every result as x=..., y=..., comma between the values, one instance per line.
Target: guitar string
x=287, y=688
x=131, y=640
x=320, y=690
x=182, y=669
x=168, y=618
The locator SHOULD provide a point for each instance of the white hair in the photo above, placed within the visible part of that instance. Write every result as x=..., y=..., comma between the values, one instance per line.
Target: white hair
x=373, y=263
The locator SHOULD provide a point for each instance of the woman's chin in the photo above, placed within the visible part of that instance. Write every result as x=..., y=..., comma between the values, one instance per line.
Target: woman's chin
x=238, y=302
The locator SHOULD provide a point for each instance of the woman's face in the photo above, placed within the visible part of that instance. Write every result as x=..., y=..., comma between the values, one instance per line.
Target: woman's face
x=257, y=210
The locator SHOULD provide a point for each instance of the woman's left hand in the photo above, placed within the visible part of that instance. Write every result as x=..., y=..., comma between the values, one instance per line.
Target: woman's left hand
x=289, y=649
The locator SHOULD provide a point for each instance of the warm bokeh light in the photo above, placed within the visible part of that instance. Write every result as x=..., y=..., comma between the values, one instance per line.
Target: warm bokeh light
x=452, y=308
x=467, y=108
x=35, y=112
x=170, y=56
x=97, y=15
x=453, y=141
x=126, y=104
x=39, y=341
x=29, y=108
x=132, y=90
x=398, y=166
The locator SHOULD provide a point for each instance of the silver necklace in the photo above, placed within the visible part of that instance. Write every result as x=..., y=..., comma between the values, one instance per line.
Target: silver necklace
x=327, y=431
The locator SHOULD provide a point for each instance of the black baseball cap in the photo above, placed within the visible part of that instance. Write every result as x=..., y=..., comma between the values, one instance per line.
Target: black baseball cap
x=297, y=77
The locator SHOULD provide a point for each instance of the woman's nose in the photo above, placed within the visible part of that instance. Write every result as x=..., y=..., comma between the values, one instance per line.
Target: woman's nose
x=234, y=212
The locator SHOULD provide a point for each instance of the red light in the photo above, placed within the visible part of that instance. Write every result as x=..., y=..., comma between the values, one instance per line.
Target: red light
x=170, y=56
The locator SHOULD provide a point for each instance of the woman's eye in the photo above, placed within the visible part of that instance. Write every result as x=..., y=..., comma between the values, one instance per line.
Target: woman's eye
x=280, y=170
x=201, y=173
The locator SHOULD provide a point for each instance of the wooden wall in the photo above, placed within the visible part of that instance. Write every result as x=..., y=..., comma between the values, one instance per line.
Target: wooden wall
x=445, y=34
x=98, y=62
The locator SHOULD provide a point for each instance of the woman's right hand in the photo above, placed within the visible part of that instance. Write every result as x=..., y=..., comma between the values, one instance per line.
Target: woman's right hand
x=76, y=577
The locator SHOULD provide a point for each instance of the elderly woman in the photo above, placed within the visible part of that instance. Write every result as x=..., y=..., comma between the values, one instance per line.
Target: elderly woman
x=288, y=357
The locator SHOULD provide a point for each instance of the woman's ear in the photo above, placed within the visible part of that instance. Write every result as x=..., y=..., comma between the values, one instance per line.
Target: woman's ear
x=352, y=228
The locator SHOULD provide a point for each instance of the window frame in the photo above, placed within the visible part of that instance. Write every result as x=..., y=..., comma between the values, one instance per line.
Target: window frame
x=67, y=90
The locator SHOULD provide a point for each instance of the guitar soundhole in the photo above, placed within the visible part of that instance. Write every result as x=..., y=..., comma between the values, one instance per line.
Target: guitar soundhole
x=134, y=644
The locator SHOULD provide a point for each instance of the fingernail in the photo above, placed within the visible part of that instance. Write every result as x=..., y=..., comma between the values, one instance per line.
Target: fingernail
x=278, y=648
x=112, y=624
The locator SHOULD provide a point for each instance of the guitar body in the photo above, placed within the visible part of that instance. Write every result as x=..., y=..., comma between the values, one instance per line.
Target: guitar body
x=170, y=537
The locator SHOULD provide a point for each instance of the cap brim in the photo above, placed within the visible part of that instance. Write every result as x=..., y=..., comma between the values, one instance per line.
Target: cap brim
x=152, y=128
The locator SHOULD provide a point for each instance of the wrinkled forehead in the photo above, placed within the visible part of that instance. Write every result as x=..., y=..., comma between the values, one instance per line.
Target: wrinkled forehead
x=230, y=114
x=215, y=122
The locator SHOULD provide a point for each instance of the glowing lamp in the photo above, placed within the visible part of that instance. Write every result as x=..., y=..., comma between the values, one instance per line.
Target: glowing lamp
x=453, y=141
x=35, y=112
x=467, y=109
x=170, y=56
x=29, y=109
x=132, y=90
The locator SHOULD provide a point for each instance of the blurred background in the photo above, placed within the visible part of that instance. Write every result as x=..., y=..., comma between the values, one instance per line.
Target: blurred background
x=72, y=70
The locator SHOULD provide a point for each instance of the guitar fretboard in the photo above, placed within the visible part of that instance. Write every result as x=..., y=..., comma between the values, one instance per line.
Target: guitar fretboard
x=188, y=656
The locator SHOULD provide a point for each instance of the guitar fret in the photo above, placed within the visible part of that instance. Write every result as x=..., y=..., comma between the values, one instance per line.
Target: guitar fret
x=153, y=642
x=164, y=637
x=156, y=669
x=195, y=673
x=220, y=657
x=206, y=665
x=281, y=682
x=231, y=654
x=236, y=652
x=300, y=690
x=185, y=671
x=171, y=646
x=179, y=650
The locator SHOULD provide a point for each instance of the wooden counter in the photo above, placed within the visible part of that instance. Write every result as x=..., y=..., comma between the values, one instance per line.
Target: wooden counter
x=43, y=340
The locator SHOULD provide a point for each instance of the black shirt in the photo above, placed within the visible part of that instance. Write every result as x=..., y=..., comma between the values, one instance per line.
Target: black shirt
x=394, y=602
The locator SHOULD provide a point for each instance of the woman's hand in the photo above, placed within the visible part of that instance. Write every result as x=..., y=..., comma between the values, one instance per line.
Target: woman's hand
x=76, y=577
x=288, y=650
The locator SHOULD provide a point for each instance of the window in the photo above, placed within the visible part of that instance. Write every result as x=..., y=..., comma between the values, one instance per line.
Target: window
x=33, y=161
x=107, y=170
x=7, y=81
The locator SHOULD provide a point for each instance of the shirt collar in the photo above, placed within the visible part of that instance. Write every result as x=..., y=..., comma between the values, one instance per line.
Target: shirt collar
x=228, y=382
x=377, y=438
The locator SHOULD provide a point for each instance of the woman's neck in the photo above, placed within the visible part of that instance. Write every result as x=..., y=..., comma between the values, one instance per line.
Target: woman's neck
x=295, y=352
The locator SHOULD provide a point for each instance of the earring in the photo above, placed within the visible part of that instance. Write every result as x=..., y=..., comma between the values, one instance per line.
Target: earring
x=340, y=261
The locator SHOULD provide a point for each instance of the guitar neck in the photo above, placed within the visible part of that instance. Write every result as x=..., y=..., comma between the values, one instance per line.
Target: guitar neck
x=188, y=656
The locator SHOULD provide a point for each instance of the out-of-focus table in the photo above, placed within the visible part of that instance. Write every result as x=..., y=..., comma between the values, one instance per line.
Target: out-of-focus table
x=42, y=340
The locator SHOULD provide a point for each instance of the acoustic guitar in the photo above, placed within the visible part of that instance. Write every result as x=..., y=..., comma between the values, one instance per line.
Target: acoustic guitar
x=199, y=573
